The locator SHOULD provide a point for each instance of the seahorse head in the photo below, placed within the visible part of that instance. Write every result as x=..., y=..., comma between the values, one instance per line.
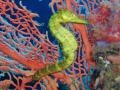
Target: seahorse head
x=67, y=16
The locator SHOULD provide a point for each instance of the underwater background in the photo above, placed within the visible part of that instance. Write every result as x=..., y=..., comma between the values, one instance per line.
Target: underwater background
x=27, y=45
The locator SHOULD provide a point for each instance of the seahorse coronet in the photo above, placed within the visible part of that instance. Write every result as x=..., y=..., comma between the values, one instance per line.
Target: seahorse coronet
x=66, y=40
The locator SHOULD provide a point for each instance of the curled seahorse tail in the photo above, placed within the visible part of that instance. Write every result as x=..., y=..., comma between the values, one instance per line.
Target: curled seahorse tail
x=66, y=40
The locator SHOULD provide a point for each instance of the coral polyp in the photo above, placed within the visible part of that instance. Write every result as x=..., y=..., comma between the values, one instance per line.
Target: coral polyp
x=105, y=22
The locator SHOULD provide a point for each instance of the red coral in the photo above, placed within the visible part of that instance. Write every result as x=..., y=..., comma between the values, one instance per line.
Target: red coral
x=104, y=22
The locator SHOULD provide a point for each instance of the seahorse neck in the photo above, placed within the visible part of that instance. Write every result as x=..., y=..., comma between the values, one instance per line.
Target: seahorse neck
x=55, y=24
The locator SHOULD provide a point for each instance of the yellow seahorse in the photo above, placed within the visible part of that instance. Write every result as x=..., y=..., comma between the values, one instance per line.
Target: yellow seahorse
x=66, y=40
